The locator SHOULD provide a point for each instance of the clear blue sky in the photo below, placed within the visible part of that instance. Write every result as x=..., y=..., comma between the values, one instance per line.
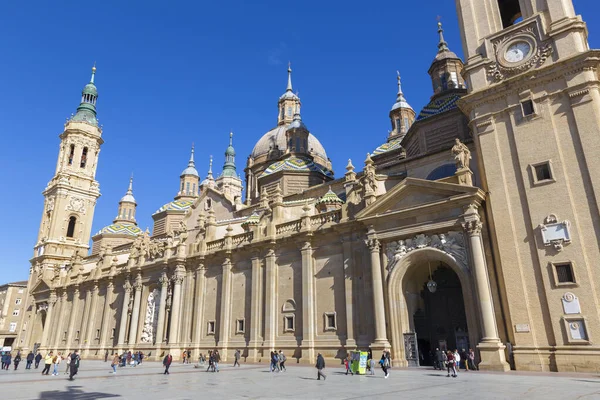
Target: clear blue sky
x=177, y=72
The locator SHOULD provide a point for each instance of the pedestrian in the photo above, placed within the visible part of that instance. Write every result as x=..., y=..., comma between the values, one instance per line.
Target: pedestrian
x=456, y=360
x=202, y=359
x=210, y=361
x=471, y=360
x=114, y=363
x=47, y=363
x=3, y=358
x=141, y=356
x=129, y=357
x=55, y=361
x=68, y=363
x=189, y=356
x=74, y=364
x=135, y=359
x=236, y=358
x=29, y=360
x=217, y=360
x=7, y=360
x=38, y=358
x=439, y=359
x=450, y=364
x=384, y=365
x=184, y=356
x=282, y=360
x=274, y=361
x=167, y=363
x=320, y=367
x=347, y=364
x=17, y=360
x=464, y=359
x=106, y=356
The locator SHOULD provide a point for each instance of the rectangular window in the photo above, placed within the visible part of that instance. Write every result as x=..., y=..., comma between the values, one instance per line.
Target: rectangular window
x=398, y=125
x=454, y=79
x=240, y=326
x=18, y=301
x=112, y=333
x=289, y=323
x=542, y=172
x=187, y=188
x=330, y=321
x=84, y=153
x=77, y=335
x=15, y=313
x=64, y=335
x=406, y=124
x=564, y=274
x=13, y=327
x=510, y=12
x=71, y=154
x=527, y=108
x=97, y=333
x=211, y=328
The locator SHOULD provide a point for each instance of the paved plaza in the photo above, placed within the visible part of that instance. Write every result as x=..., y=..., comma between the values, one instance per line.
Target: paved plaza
x=299, y=382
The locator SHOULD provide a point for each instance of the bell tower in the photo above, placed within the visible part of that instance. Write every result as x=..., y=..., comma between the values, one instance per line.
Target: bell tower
x=533, y=104
x=71, y=195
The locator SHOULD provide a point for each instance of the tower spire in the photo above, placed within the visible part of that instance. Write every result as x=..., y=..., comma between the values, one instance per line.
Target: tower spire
x=127, y=205
x=400, y=94
x=289, y=85
x=442, y=45
x=229, y=166
x=93, y=73
x=86, y=112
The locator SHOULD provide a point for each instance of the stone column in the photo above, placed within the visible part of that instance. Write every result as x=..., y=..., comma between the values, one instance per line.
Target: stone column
x=72, y=316
x=105, y=325
x=255, y=308
x=349, y=291
x=308, y=303
x=199, y=306
x=91, y=315
x=61, y=315
x=176, y=305
x=381, y=341
x=124, y=312
x=84, y=320
x=48, y=324
x=270, y=300
x=135, y=313
x=490, y=347
x=225, y=317
x=160, y=328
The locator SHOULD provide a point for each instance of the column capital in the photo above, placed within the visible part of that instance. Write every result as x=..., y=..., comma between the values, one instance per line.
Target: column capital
x=373, y=244
x=472, y=227
x=178, y=277
x=127, y=286
x=164, y=280
x=270, y=252
x=305, y=245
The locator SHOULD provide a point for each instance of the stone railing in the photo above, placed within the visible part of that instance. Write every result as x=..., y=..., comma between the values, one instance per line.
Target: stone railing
x=215, y=245
x=242, y=238
x=293, y=226
x=322, y=219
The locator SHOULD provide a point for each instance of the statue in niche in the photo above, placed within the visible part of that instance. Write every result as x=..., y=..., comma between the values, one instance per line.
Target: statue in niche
x=462, y=154
x=151, y=319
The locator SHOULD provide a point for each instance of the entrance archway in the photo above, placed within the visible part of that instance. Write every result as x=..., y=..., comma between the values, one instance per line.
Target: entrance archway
x=445, y=317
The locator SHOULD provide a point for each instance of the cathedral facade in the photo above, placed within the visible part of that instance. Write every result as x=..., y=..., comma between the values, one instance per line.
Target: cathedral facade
x=474, y=225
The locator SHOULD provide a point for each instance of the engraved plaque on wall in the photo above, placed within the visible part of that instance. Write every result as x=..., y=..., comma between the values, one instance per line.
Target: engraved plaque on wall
x=570, y=303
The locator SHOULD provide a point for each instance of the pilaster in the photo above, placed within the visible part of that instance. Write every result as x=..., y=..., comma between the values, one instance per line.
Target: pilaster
x=308, y=302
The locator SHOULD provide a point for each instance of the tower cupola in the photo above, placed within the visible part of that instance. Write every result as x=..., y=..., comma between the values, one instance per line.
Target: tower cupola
x=446, y=68
x=229, y=166
x=297, y=136
x=402, y=114
x=127, y=206
x=189, y=180
x=289, y=102
x=86, y=112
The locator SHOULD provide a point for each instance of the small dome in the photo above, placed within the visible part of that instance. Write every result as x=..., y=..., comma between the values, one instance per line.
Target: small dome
x=120, y=229
x=90, y=88
x=177, y=205
x=190, y=171
x=330, y=198
x=289, y=95
x=401, y=103
x=277, y=137
x=230, y=151
x=128, y=198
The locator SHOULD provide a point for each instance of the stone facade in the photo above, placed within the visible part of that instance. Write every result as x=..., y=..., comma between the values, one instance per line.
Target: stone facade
x=12, y=308
x=462, y=229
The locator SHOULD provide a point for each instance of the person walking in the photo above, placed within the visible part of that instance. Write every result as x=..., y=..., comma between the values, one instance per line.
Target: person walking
x=282, y=360
x=7, y=360
x=347, y=365
x=167, y=363
x=114, y=363
x=17, y=360
x=320, y=367
x=141, y=357
x=74, y=364
x=372, y=366
x=450, y=364
x=189, y=356
x=55, y=362
x=217, y=360
x=211, y=360
x=236, y=358
x=384, y=365
x=456, y=361
x=471, y=360
x=274, y=361
x=68, y=363
x=47, y=363
x=29, y=360
x=38, y=358
x=439, y=359
x=184, y=356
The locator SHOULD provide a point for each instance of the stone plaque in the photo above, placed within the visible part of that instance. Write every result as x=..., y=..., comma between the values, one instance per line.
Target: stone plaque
x=571, y=303
x=522, y=328
x=577, y=330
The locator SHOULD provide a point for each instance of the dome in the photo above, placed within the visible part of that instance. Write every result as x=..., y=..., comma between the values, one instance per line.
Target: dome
x=128, y=198
x=121, y=229
x=90, y=88
x=388, y=146
x=330, y=198
x=190, y=171
x=297, y=164
x=276, y=136
x=177, y=205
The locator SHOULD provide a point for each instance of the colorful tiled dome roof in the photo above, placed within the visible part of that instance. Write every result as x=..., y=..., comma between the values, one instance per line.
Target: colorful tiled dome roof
x=388, y=146
x=297, y=164
x=254, y=219
x=179, y=205
x=330, y=198
x=438, y=106
x=121, y=229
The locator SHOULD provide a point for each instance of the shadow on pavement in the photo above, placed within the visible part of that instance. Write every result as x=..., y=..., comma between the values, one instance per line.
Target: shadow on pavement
x=74, y=393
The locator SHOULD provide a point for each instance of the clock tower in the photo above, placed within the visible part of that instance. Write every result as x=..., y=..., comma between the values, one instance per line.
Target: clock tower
x=533, y=104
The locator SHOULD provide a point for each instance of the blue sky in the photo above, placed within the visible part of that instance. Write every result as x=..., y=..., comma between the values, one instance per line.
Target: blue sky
x=173, y=73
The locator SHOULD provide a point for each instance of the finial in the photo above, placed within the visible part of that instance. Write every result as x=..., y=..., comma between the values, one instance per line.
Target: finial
x=130, y=189
x=399, y=83
x=93, y=72
x=231, y=138
x=210, y=165
x=442, y=45
x=289, y=85
x=349, y=167
x=192, y=154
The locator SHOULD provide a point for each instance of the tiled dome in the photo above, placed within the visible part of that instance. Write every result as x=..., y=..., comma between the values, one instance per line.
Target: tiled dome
x=181, y=205
x=298, y=165
x=276, y=136
x=121, y=229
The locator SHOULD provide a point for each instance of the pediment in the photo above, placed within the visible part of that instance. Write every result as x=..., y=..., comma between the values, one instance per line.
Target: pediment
x=40, y=287
x=414, y=193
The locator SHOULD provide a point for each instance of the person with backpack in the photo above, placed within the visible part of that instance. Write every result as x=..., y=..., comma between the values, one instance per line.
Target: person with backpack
x=384, y=365
x=282, y=360
x=74, y=364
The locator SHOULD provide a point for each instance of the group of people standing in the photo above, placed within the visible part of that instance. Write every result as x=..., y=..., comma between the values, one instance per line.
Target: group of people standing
x=278, y=361
x=453, y=361
x=53, y=361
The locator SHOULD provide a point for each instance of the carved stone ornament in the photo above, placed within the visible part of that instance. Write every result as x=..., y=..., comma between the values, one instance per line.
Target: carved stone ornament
x=472, y=227
x=555, y=233
x=50, y=204
x=451, y=243
x=373, y=245
x=151, y=319
x=76, y=204
x=535, y=57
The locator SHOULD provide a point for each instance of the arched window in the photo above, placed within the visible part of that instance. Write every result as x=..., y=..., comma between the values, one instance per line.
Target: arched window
x=83, y=157
x=71, y=227
x=510, y=12
x=442, y=171
x=71, y=154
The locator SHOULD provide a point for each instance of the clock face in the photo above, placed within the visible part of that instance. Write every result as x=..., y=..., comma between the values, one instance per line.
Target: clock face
x=517, y=52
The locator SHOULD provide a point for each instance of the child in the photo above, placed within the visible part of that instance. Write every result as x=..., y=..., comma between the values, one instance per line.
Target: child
x=347, y=364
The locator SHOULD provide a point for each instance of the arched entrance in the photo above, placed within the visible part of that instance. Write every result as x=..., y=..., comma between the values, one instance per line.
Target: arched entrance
x=426, y=320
